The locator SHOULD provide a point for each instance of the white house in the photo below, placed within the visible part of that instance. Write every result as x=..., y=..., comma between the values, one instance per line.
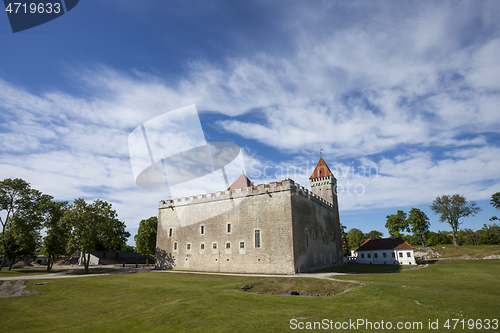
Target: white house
x=390, y=251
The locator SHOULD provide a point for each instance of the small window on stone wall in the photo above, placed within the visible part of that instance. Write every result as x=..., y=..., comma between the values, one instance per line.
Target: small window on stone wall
x=202, y=230
x=170, y=232
x=229, y=228
x=257, y=238
x=202, y=246
x=175, y=246
x=242, y=245
x=228, y=245
x=188, y=246
x=307, y=238
x=214, y=246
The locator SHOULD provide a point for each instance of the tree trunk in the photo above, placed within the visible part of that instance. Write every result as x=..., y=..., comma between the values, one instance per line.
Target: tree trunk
x=48, y=262
x=422, y=239
x=4, y=259
x=147, y=260
x=87, y=263
x=12, y=263
x=454, y=236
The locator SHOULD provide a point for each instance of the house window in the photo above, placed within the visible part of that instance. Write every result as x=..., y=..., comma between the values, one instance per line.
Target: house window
x=393, y=255
x=375, y=255
x=214, y=246
x=229, y=228
x=384, y=255
x=202, y=230
x=401, y=254
x=175, y=246
x=202, y=246
x=362, y=256
x=307, y=238
x=369, y=255
x=188, y=246
x=408, y=254
x=170, y=232
x=242, y=245
x=228, y=245
x=257, y=238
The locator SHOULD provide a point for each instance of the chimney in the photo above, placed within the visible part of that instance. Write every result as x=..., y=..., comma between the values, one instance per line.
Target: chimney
x=373, y=237
x=392, y=236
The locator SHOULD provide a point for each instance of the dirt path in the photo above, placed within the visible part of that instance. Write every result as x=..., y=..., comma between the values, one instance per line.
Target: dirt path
x=13, y=289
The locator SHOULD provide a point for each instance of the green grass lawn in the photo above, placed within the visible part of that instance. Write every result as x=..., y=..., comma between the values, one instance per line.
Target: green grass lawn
x=24, y=271
x=170, y=302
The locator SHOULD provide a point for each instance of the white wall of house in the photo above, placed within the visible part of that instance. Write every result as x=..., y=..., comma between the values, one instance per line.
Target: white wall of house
x=388, y=257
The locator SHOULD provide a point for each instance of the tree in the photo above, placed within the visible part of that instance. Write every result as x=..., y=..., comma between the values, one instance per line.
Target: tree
x=452, y=209
x=94, y=227
x=374, y=233
x=55, y=243
x=345, y=241
x=419, y=223
x=145, y=240
x=23, y=219
x=355, y=238
x=495, y=201
x=397, y=223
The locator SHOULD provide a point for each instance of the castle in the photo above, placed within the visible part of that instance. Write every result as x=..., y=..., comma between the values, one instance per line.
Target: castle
x=279, y=227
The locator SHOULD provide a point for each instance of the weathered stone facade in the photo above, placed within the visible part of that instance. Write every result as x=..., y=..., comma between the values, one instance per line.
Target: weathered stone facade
x=279, y=227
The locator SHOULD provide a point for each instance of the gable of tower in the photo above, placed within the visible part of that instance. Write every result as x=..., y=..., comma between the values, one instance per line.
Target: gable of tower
x=321, y=170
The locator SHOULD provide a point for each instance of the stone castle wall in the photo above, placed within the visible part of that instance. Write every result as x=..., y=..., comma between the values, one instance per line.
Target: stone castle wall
x=189, y=227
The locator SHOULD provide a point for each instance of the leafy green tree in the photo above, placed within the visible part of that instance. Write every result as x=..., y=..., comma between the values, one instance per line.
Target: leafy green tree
x=436, y=238
x=23, y=219
x=145, y=240
x=495, y=201
x=397, y=223
x=355, y=238
x=94, y=227
x=55, y=243
x=345, y=241
x=419, y=223
x=374, y=233
x=452, y=209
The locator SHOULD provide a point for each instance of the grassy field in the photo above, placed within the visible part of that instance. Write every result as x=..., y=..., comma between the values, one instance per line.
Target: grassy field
x=170, y=302
x=478, y=251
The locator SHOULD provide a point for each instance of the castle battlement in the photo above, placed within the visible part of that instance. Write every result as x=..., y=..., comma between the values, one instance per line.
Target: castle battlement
x=239, y=193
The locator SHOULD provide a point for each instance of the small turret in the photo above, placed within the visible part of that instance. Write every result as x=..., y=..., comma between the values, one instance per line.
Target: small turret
x=323, y=182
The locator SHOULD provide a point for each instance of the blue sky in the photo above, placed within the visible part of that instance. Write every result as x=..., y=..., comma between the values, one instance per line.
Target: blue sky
x=409, y=91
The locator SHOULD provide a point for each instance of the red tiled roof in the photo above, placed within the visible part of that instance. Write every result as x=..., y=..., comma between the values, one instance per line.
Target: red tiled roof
x=241, y=182
x=385, y=244
x=321, y=170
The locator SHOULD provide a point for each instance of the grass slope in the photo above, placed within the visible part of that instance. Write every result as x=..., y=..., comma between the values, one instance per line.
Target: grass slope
x=170, y=302
x=478, y=251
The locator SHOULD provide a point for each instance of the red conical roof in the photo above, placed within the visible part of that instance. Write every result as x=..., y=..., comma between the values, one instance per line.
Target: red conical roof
x=321, y=170
x=241, y=182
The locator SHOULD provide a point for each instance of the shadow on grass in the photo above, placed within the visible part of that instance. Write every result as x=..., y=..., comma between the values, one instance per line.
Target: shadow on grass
x=93, y=271
x=365, y=268
x=26, y=271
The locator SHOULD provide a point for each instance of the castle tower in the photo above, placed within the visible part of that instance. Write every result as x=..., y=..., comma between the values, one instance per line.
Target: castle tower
x=323, y=183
